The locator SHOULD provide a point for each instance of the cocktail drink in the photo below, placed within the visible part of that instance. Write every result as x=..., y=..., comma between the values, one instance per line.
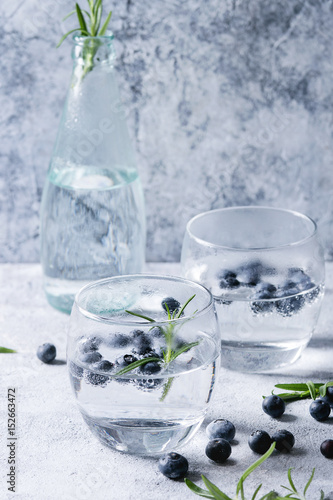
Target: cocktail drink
x=265, y=269
x=143, y=356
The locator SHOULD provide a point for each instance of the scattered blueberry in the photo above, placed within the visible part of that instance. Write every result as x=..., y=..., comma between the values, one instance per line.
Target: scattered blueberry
x=75, y=370
x=284, y=440
x=90, y=357
x=125, y=360
x=326, y=448
x=320, y=410
x=218, y=450
x=90, y=344
x=221, y=428
x=46, y=353
x=328, y=398
x=172, y=304
x=274, y=406
x=103, y=366
x=259, y=442
x=173, y=465
x=141, y=341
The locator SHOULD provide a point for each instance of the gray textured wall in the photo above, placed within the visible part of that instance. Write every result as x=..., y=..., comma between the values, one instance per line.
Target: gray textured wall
x=228, y=102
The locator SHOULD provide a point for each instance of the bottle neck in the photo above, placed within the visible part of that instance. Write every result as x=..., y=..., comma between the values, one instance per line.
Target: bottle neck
x=92, y=54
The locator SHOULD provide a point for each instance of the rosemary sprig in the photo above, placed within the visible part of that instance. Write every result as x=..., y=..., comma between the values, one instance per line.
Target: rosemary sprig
x=215, y=493
x=5, y=350
x=302, y=390
x=169, y=354
x=89, y=26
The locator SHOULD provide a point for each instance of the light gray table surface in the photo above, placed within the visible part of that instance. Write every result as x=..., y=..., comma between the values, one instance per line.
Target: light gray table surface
x=57, y=456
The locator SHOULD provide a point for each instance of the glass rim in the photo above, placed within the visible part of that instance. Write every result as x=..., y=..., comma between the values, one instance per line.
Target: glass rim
x=251, y=249
x=115, y=320
x=78, y=39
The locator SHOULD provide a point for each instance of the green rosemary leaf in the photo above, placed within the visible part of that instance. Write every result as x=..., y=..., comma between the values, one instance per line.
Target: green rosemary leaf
x=69, y=15
x=323, y=388
x=166, y=388
x=141, y=316
x=185, y=348
x=291, y=481
x=292, y=396
x=105, y=25
x=256, y=492
x=5, y=350
x=254, y=466
x=65, y=36
x=295, y=387
x=184, y=306
x=168, y=311
x=312, y=389
x=199, y=491
x=135, y=364
x=214, y=490
x=81, y=19
x=309, y=482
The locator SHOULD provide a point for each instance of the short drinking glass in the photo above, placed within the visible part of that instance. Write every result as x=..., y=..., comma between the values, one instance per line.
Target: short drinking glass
x=265, y=269
x=143, y=356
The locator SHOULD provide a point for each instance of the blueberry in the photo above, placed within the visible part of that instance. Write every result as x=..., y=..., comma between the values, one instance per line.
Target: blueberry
x=118, y=340
x=141, y=341
x=218, y=450
x=264, y=291
x=150, y=368
x=259, y=442
x=221, y=428
x=157, y=332
x=328, y=398
x=90, y=344
x=172, y=304
x=274, y=406
x=320, y=410
x=75, y=370
x=284, y=440
x=229, y=283
x=103, y=366
x=225, y=274
x=299, y=277
x=173, y=465
x=326, y=448
x=90, y=357
x=46, y=353
x=125, y=360
x=249, y=277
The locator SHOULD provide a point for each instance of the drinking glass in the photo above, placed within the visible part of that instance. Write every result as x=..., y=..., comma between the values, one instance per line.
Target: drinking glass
x=143, y=356
x=265, y=268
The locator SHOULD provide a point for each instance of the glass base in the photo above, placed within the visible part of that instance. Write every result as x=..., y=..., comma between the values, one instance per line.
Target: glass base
x=142, y=437
x=259, y=357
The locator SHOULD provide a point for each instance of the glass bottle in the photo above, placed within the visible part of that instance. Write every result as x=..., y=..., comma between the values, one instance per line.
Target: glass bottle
x=92, y=213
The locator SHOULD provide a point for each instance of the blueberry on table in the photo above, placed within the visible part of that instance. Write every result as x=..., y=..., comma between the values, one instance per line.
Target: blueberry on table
x=284, y=440
x=326, y=448
x=274, y=406
x=259, y=441
x=172, y=304
x=173, y=465
x=90, y=357
x=218, y=450
x=320, y=410
x=221, y=428
x=328, y=398
x=46, y=352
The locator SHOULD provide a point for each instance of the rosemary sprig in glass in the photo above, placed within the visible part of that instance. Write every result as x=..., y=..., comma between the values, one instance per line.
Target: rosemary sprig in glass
x=89, y=26
x=169, y=354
